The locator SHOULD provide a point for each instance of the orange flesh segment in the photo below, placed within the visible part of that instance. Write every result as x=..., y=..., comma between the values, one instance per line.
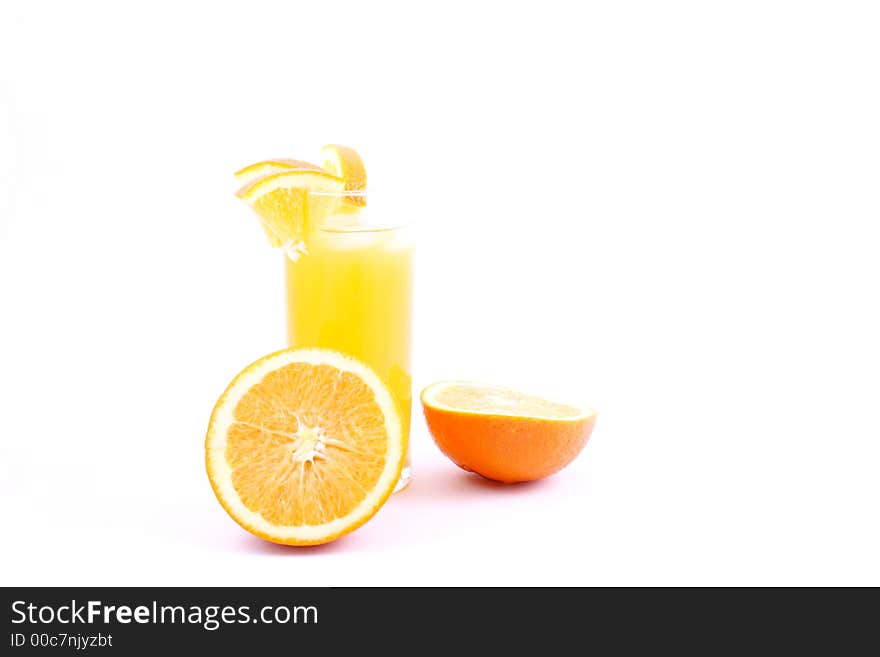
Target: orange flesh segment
x=491, y=400
x=283, y=212
x=279, y=422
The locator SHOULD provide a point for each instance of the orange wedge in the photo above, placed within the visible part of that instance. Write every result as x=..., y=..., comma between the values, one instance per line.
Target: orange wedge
x=504, y=434
x=288, y=202
x=346, y=163
x=304, y=446
x=259, y=169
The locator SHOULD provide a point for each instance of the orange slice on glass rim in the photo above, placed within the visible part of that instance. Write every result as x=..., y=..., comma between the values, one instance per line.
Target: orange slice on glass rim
x=290, y=201
x=257, y=170
x=346, y=163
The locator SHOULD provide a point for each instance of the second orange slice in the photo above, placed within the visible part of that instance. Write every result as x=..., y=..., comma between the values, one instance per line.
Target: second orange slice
x=346, y=163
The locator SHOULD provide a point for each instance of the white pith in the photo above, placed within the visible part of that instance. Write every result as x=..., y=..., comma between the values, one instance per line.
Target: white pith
x=308, y=444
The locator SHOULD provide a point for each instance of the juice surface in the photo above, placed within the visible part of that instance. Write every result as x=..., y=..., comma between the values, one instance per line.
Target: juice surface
x=352, y=292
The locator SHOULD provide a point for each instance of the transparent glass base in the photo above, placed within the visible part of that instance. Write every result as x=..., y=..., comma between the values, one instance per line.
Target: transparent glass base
x=405, y=476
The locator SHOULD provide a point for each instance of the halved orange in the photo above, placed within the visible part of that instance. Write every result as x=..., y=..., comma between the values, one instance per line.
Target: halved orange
x=346, y=163
x=304, y=446
x=288, y=202
x=504, y=434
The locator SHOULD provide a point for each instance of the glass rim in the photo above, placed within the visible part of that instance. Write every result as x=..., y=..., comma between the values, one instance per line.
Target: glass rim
x=363, y=228
x=342, y=193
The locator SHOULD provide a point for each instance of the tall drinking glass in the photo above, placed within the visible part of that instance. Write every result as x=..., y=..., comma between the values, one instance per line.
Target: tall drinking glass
x=351, y=291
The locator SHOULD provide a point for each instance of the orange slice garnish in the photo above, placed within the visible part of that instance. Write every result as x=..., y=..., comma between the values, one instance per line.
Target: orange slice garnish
x=290, y=202
x=260, y=169
x=346, y=163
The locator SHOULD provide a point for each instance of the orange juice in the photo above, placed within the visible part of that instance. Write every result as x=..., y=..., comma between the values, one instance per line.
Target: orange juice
x=351, y=291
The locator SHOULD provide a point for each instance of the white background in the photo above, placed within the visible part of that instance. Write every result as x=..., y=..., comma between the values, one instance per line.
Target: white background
x=666, y=211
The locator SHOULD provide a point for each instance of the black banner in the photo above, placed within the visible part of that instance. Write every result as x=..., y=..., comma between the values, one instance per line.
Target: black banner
x=171, y=620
